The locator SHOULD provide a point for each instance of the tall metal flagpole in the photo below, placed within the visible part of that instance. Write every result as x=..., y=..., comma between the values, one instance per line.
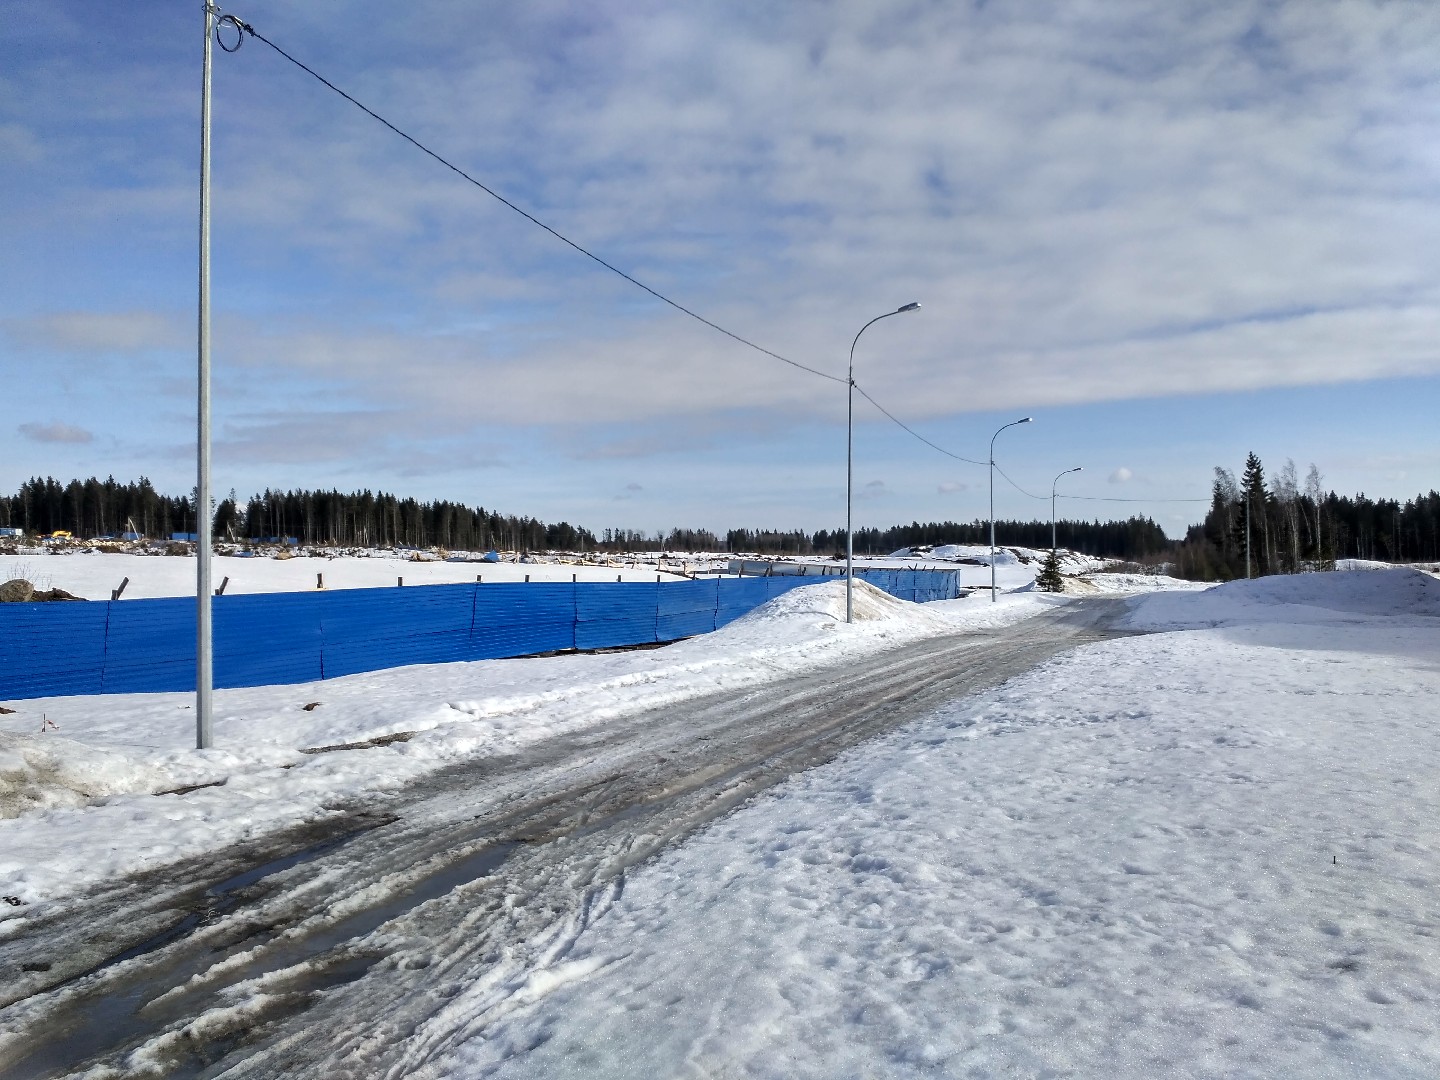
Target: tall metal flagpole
x=204, y=734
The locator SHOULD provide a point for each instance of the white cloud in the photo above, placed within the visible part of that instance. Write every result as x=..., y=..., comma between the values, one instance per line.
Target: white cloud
x=1093, y=202
x=56, y=432
x=1122, y=475
x=951, y=487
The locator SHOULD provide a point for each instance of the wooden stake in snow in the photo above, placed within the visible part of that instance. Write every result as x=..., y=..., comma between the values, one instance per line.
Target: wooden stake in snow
x=115, y=593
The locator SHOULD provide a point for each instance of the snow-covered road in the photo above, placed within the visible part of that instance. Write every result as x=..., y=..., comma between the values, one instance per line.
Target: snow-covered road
x=481, y=875
x=1206, y=849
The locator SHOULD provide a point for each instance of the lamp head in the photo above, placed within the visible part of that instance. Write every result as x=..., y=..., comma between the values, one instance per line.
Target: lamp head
x=914, y=305
x=1025, y=421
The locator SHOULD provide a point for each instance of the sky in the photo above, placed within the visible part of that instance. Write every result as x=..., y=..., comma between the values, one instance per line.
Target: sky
x=1171, y=232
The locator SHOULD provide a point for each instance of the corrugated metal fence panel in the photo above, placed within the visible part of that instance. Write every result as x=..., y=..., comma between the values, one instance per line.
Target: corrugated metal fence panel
x=686, y=608
x=371, y=629
x=610, y=613
x=517, y=619
x=739, y=596
x=133, y=646
x=150, y=646
x=51, y=649
x=265, y=639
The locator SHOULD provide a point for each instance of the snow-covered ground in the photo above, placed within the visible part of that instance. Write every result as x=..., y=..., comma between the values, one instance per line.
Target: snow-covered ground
x=1202, y=852
x=93, y=575
x=1207, y=850
x=79, y=797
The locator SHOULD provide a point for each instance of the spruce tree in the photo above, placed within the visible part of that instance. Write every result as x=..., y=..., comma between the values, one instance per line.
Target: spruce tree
x=1048, y=580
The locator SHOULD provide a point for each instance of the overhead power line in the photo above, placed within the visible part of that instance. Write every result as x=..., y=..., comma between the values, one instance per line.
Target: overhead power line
x=1102, y=498
x=934, y=446
x=248, y=29
x=244, y=28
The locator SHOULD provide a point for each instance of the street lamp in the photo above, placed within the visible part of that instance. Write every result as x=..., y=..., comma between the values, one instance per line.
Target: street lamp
x=1052, y=503
x=1012, y=423
x=850, y=459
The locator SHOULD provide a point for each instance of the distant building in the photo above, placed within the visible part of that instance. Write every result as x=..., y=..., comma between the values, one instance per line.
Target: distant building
x=185, y=537
x=7, y=531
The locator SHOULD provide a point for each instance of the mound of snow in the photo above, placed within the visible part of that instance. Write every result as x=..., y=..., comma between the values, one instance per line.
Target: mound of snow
x=1142, y=583
x=38, y=772
x=827, y=600
x=1314, y=597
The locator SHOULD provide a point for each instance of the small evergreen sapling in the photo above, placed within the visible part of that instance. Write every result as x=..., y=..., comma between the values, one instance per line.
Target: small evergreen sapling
x=1048, y=580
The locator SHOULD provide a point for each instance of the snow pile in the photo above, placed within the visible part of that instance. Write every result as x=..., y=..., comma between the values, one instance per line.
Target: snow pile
x=40, y=772
x=1142, y=583
x=827, y=600
x=1336, y=596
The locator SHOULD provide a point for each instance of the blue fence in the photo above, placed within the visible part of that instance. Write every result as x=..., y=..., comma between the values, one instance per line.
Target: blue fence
x=145, y=646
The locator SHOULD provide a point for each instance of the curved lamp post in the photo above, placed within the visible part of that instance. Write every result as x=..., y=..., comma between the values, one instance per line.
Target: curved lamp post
x=1077, y=468
x=1025, y=420
x=850, y=458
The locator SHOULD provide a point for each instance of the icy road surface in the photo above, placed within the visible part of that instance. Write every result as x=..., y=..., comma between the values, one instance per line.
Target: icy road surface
x=477, y=879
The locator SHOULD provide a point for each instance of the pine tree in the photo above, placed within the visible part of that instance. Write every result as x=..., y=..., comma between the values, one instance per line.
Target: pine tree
x=1049, y=580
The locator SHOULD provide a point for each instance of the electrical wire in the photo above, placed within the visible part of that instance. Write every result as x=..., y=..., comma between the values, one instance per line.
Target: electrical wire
x=1102, y=498
x=934, y=446
x=971, y=461
x=1017, y=487
x=247, y=28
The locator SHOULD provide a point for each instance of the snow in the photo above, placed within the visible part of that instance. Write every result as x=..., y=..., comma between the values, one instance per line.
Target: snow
x=1199, y=852
x=93, y=575
x=86, y=789
x=1204, y=850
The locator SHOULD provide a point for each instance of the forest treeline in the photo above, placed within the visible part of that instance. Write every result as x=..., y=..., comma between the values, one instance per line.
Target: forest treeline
x=1293, y=525
x=360, y=519
x=1282, y=525
x=1133, y=539
x=93, y=507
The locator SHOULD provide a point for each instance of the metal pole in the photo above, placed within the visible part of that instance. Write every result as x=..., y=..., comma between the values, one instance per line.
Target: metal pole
x=850, y=482
x=204, y=732
x=993, y=596
x=992, y=516
x=1067, y=472
x=850, y=461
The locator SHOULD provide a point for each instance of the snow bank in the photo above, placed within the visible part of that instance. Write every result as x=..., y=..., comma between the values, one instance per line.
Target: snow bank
x=41, y=772
x=1142, y=583
x=1294, y=598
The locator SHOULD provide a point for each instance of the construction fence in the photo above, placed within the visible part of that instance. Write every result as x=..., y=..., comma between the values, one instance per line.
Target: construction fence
x=148, y=646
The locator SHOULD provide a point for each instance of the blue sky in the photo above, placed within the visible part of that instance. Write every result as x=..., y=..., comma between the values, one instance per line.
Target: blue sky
x=1172, y=232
